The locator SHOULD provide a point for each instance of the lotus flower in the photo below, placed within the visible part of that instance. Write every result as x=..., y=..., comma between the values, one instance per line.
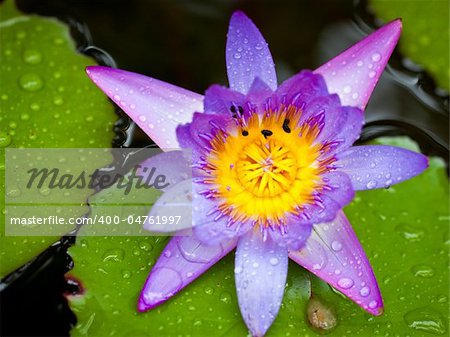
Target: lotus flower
x=273, y=166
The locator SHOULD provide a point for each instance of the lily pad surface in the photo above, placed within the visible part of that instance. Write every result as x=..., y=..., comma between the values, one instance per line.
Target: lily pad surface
x=426, y=34
x=403, y=229
x=46, y=101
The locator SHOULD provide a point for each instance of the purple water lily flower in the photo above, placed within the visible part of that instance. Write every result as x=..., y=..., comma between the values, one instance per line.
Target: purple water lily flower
x=273, y=166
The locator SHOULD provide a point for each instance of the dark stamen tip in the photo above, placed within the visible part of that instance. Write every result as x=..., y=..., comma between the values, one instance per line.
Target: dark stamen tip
x=266, y=133
x=286, y=127
x=245, y=133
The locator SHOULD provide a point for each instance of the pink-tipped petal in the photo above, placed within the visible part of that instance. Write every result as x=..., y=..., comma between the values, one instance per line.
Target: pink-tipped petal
x=380, y=166
x=354, y=73
x=247, y=55
x=260, y=275
x=181, y=262
x=157, y=107
x=334, y=254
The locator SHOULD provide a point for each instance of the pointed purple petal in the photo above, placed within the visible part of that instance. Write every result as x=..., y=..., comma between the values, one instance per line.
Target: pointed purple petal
x=334, y=254
x=157, y=107
x=354, y=73
x=380, y=166
x=181, y=262
x=260, y=274
x=247, y=55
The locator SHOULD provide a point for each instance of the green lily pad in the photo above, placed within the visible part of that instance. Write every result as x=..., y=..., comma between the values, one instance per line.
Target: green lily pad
x=46, y=101
x=404, y=231
x=425, y=37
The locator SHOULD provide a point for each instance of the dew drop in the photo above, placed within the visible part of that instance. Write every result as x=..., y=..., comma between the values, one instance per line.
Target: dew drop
x=422, y=271
x=25, y=116
x=115, y=255
x=274, y=261
x=376, y=57
x=237, y=270
x=336, y=246
x=5, y=139
x=365, y=291
x=142, y=118
x=126, y=274
x=371, y=184
x=427, y=320
x=373, y=304
x=410, y=233
x=345, y=283
x=347, y=89
x=208, y=290
x=225, y=297
x=31, y=82
x=32, y=56
x=372, y=74
x=237, y=56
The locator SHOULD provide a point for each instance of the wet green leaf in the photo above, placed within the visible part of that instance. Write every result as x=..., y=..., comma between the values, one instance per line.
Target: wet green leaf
x=404, y=231
x=46, y=101
x=425, y=37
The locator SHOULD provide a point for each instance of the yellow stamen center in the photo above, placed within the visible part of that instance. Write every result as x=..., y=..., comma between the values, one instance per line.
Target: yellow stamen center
x=266, y=167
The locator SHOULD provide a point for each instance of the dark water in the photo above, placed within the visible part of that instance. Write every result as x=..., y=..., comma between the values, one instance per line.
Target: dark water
x=182, y=42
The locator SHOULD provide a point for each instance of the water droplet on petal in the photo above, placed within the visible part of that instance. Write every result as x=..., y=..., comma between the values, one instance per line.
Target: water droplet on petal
x=274, y=261
x=365, y=291
x=371, y=184
x=345, y=283
x=336, y=246
x=373, y=304
x=376, y=57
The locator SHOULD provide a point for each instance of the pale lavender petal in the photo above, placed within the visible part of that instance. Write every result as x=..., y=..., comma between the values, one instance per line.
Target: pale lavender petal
x=301, y=88
x=380, y=166
x=247, y=55
x=329, y=201
x=260, y=275
x=210, y=226
x=294, y=235
x=342, y=128
x=334, y=254
x=157, y=107
x=259, y=92
x=175, y=166
x=218, y=100
x=181, y=262
x=217, y=230
x=354, y=73
x=173, y=210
